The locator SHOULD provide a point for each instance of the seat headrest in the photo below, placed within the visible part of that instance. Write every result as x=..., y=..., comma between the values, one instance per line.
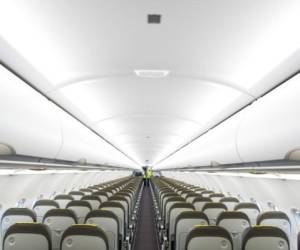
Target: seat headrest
x=84, y=229
x=202, y=199
x=46, y=203
x=63, y=197
x=192, y=215
x=214, y=205
x=29, y=228
x=263, y=231
x=229, y=199
x=245, y=205
x=272, y=215
x=19, y=211
x=101, y=213
x=76, y=193
x=79, y=204
x=232, y=215
x=90, y=197
x=208, y=231
x=182, y=205
x=216, y=195
x=61, y=212
x=111, y=204
x=100, y=193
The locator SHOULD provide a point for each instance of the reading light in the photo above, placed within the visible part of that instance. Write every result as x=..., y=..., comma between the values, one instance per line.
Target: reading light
x=151, y=73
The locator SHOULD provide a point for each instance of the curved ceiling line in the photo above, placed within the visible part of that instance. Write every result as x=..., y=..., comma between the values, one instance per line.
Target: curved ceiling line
x=130, y=134
x=149, y=141
x=95, y=123
x=92, y=78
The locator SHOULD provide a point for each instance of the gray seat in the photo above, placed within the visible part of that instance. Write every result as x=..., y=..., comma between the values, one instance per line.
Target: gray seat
x=86, y=191
x=94, y=201
x=185, y=221
x=14, y=215
x=109, y=223
x=206, y=193
x=87, y=237
x=275, y=219
x=216, y=197
x=80, y=208
x=175, y=210
x=58, y=220
x=63, y=200
x=102, y=195
x=118, y=209
x=208, y=238
x=190, y=197
x=235, y=223
x=41, y=207
x=265, y=238
x=76, y=195
x=251, y=209
x=213, y=210
x=230, y=202
x=27, y=236
x=199, y=202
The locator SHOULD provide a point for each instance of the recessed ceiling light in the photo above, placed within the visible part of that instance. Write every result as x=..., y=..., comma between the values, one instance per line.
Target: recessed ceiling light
x=151, y=73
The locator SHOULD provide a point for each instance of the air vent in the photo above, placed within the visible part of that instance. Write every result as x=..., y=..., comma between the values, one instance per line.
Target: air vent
x=154, y=18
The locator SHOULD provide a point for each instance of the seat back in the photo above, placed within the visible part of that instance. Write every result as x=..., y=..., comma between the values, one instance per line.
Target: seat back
x=87, y=237
x=216, y=197
x=275, y=219
x=230, y=202
x=86, y=191
x=206, y=193
x=58, y=220
x=118, y=209
x=109, y=223
x=213, y=210
x=63, y=200
x=76, y=195
x=169, y=202
x=41, y=207
x=265, y=238
x=94, y=201
x=80, y=208
x=14, y=215
x=185, y=221
x=102, y=195
x=199, y=202
x=251, y=209
x=27, y=236
x=235, y=223
x=191, y=197
x=209, y=238
x=175, y=211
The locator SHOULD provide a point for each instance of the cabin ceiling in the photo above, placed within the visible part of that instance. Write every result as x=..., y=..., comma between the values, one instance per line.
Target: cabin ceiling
x=218, y=56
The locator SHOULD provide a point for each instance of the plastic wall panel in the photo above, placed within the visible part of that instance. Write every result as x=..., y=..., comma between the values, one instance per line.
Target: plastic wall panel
x=28, y=121
x=271, y=127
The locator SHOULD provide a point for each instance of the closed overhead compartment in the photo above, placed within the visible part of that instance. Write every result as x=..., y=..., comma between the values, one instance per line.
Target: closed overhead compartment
x=217, y=146
x=271, y=128
x=29, y=123
x=81, y=144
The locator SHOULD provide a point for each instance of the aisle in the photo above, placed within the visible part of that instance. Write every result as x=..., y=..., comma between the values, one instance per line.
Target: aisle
x=146, y=238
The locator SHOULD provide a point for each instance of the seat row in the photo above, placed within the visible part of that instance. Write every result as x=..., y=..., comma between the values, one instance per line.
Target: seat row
x=190, y=217
x=104, y=214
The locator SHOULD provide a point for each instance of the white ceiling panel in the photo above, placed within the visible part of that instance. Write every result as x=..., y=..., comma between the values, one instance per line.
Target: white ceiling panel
x=220, y=55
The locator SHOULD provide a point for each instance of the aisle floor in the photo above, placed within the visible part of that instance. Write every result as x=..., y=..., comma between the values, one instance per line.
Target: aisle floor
x=146, y=237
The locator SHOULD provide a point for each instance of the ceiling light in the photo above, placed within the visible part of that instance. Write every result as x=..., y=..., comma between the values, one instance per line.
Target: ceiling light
x=151, y=73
